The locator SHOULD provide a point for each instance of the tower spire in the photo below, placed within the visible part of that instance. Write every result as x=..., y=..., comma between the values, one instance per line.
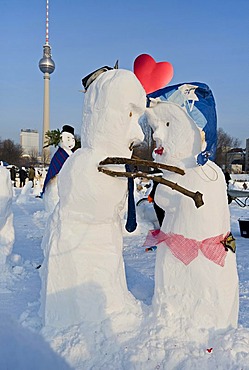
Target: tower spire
x=47, y=22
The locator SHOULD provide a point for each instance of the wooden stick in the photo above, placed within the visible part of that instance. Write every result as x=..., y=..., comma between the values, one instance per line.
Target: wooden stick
x=141, y=162
x=197, y=197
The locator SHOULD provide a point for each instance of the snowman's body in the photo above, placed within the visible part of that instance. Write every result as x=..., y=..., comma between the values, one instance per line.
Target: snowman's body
x=51, y=197
x=6, y=216
x=197, y=292
x=86, y=278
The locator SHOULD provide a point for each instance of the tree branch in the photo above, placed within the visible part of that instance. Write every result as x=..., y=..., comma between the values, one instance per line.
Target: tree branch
x=197, y=197
x=141, y=162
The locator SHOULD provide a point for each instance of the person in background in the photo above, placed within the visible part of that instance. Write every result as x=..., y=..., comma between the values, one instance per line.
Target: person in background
x=13, y=175
x=22, y=175
x=227, y=177
x=159, y=211
x=31, y=175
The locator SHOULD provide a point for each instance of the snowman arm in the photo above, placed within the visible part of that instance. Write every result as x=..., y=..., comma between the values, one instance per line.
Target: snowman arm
x=197, y=196
x=141, y=162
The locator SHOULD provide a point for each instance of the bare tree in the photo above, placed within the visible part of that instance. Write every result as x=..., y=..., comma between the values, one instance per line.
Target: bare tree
x=45, y=158
x=33, y=156
x=225, y=142
x=11, y=152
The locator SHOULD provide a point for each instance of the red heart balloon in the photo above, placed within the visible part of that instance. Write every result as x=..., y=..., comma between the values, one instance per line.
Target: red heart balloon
x=152, y=75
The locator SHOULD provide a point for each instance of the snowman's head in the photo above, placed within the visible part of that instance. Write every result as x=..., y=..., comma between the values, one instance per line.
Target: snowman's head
x=175, y=133
x=67, y=141
x=113, y=104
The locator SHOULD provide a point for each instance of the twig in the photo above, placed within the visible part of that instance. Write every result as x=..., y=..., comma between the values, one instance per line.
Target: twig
x=197, y=197
x=141, y=162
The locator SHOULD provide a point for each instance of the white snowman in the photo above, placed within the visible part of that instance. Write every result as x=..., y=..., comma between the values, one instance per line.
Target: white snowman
x=7, y=234
x=84, y=274
x=50, y=188
x=196, y=281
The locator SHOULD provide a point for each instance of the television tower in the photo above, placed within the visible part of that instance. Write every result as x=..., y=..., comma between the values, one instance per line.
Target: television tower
x=47, y=67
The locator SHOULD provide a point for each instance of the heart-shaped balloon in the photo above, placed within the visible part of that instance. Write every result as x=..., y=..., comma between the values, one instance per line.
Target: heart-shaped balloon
x=152, y=75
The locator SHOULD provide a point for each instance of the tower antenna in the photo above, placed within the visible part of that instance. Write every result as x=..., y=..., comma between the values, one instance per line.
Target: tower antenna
x=47, y=23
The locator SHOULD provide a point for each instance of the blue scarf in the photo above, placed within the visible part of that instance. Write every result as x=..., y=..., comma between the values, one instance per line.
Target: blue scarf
x=55, y=166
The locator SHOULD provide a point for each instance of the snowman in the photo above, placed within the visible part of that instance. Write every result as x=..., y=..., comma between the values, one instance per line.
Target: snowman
x=196, y=281
x=83, y=273
x=50, y=189
x=6, y=216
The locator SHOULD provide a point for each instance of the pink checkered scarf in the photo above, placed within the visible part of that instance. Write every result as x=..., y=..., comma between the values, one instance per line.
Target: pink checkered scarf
x=186, y=250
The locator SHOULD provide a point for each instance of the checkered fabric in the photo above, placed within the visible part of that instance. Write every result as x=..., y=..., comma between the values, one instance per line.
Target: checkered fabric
x=186, y=250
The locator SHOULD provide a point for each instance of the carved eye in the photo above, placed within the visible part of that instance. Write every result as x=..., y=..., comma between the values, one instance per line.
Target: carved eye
x=130, y=114
x=166, y=124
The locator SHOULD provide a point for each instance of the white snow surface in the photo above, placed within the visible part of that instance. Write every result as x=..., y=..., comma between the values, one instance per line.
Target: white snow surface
x=149, y=346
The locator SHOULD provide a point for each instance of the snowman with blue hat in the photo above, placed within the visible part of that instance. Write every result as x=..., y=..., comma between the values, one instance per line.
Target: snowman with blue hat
x=196, y=279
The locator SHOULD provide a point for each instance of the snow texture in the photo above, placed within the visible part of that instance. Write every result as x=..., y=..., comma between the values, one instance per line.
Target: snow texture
x=6, y=216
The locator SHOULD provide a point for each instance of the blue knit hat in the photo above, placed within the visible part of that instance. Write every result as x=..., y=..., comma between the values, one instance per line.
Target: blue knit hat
x=197, y=99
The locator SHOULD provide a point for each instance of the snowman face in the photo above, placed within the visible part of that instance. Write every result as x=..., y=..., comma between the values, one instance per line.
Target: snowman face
x=112, y=107
x=174, y=132
x=67, y=141
x=133, y=132
x=161, y=130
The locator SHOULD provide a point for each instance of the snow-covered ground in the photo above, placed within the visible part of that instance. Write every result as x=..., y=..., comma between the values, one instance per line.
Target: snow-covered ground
x=151, y=346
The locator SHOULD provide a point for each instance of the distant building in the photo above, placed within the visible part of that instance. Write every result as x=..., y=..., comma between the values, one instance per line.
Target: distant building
x=247, y=156
x=29, y=140
x=232, y=160
x=235, y=160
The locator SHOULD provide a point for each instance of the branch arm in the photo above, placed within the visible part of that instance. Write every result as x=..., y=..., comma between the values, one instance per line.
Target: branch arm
x=141, y=162
x=197, y=197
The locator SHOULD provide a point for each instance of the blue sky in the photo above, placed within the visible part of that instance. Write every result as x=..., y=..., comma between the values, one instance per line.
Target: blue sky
x=205, y=42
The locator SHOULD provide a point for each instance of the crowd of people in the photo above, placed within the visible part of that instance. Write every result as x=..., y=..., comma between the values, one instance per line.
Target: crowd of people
x=23, y=174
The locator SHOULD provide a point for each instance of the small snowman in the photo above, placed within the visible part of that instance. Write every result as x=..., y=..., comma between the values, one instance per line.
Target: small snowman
x=196, y=281
x=50, y=189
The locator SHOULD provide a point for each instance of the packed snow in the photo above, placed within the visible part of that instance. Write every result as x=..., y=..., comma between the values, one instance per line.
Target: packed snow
x=6, y=216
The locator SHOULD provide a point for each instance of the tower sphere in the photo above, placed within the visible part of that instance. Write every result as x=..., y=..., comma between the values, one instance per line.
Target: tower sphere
x=47, y=65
